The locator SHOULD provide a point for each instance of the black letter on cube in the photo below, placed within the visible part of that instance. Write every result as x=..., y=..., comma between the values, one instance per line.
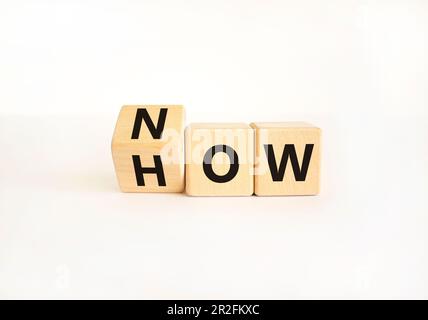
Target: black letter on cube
x=156, y=132
x=234, y=163
x=289, y=152
x=158, y=170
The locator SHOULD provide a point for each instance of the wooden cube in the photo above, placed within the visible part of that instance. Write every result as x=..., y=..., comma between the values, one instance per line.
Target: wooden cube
x=287, y=158
x=219, y=159
x=147, y=148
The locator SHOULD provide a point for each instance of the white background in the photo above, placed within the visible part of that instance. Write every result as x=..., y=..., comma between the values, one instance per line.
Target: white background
x=357, y=69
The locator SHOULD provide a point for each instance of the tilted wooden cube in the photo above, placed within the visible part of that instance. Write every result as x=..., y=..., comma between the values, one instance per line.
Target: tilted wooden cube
x=219, y=159
x=287, y=158
x=147, y=148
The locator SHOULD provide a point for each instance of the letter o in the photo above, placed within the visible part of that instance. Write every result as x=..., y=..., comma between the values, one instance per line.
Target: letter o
x=234, y=163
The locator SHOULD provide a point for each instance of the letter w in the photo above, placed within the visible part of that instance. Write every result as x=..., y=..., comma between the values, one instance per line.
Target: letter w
x=289, y=152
